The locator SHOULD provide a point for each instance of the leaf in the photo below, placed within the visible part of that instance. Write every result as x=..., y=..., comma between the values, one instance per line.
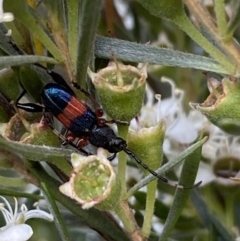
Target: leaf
x=73, y=20
x=62, y=229
x=38, y=153
x=161, y=211
x=170, y=9
x=13, y=193
x=173, y=10
x=209, y=219
x=26, y=59
x=188, y=175
x=10, y=182
x=138, y=53
x=20, y=10
x=90, y=13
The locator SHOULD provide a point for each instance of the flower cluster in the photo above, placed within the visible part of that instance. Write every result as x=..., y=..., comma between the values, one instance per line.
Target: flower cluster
x=221, y=149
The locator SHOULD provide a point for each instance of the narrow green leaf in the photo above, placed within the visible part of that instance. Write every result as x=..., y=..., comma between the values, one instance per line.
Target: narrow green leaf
x=16, y=182
x=90, y=12
x=165, y=9
x=32, y=151
x=56, y=156
x=234, y=21
x=166, y=167
x=221, y=17
x=13, y=193
x=58, y=12
x=24, y=59
x=138, y=53
x=188, y=175
x=6, y=46
x=62, y=229
x=161, y=211
x=33, y=78
x=209, y=219
x=169, y=9
x=20, y=10
x=31, y=82
x=73, y=19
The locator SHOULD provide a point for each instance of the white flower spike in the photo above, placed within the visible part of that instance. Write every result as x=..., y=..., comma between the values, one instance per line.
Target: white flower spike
x=5, y=17
x=15, y=228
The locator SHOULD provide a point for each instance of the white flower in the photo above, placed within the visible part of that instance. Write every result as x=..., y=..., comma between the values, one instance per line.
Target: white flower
x=5, y=17
x=15, y=228
x=222, y=151
x=148, y=115
x=122, y=8
x=179, y=127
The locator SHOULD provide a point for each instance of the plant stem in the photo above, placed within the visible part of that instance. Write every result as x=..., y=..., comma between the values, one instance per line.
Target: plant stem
x=126, y=216
x=149, y=210
x=130, y=225
x=122, y=132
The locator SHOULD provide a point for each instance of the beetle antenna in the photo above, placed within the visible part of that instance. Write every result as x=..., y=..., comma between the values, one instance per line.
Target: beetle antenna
x=163, y=179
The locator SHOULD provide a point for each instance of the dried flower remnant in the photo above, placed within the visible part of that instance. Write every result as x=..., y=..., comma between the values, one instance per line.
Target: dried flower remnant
x=220, y=106
x=93, y=182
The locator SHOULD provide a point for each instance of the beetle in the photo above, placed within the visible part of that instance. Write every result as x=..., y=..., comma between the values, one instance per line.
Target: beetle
x=83, y=123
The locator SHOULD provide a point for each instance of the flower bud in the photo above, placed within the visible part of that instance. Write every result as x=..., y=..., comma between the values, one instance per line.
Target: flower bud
x=9, y=84
x=147, y=144
x=93, y=182
x=120, y=89
x=221, y=105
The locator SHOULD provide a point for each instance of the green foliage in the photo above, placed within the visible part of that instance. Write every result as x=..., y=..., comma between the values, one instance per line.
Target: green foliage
x=179, y=40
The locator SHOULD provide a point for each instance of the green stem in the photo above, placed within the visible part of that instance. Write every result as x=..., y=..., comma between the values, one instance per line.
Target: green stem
x=149, y=210
x=122, y=132
x=126, y=216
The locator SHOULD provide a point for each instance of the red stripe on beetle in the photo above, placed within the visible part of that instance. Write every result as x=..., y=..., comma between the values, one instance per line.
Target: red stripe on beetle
x=73, y=109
